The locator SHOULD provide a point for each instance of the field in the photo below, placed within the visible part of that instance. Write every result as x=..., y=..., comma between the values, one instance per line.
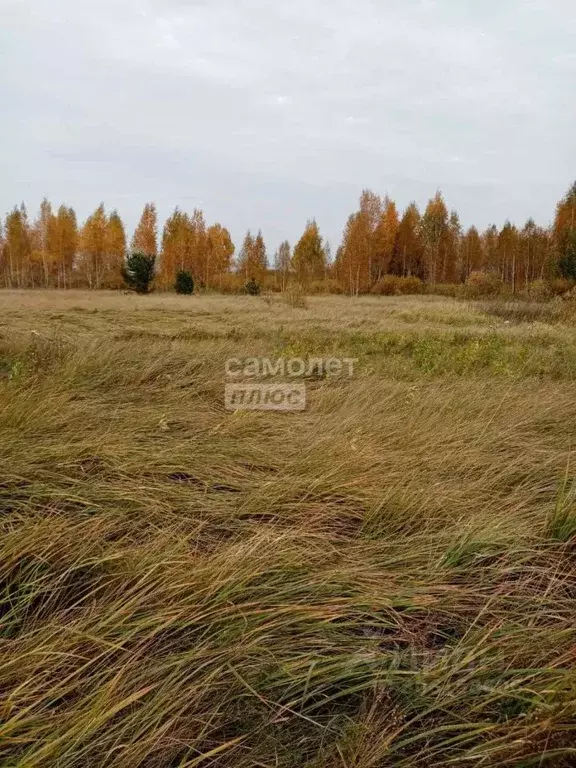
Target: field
x=386, y=579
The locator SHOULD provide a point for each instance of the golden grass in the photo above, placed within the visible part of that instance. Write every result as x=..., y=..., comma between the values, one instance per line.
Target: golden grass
x=387, y=579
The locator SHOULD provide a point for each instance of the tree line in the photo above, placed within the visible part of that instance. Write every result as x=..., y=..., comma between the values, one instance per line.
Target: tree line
x=54, y=251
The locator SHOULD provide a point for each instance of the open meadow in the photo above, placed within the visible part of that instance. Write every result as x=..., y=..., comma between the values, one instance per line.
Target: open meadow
x=387, y=579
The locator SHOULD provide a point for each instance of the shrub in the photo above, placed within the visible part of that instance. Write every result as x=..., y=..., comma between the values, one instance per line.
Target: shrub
x=392, y=285
x=138, y=273
x=410, y=286
x=483, y=284
x=321, y=286
x=386, y=286
x=317, y=287
x=252, y=288
x=333, y=286
x=560, y=286
x=230, y=283
x=184, y=283
x=271, y=284
x=539, y=290
x=450, y=290
x=295, y=297
x=567, y=264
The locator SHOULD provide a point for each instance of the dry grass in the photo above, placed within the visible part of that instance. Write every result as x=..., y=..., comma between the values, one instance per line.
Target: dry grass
x=387, y=579
x=295, y=298
x=525, y=311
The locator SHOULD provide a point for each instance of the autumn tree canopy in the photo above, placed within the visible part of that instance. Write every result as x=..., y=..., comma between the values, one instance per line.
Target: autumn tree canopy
x=252, y=260
x=308, y=261
x=145, y=239
x=51, y=250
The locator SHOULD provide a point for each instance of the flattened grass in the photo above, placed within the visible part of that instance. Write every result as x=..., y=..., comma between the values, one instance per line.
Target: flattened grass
x=387, y=579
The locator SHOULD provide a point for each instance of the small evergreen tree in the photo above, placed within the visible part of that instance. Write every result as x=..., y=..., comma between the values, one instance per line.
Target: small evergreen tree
x=252, y=288
x=184, y=283
x=138, y=272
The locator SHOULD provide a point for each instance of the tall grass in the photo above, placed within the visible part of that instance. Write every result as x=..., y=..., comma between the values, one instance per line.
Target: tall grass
x=524, y=311
x=387, y=579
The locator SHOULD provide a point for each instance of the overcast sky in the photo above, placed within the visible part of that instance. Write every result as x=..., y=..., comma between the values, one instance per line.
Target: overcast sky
x=268, y=112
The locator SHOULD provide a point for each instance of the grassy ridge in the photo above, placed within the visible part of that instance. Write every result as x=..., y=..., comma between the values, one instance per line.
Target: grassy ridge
x=387, y=579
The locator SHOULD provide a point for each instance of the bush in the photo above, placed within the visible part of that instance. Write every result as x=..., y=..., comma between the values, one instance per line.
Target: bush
x=483, y=284
x=252, y=288
x=568, y=307
x=333, y=286
x=567, y=264
x=270, y=283
x=560, y=286
x=317, y=287
x=230, y=283
x=184, y=283
x=386, y=286
x=450, y=290
x=138, y=273
x=539, y=290
x=392, y=285
x=295, y=297
x=411, y=286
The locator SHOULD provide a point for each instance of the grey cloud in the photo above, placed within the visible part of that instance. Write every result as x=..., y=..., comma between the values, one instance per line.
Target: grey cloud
x=267, y=113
